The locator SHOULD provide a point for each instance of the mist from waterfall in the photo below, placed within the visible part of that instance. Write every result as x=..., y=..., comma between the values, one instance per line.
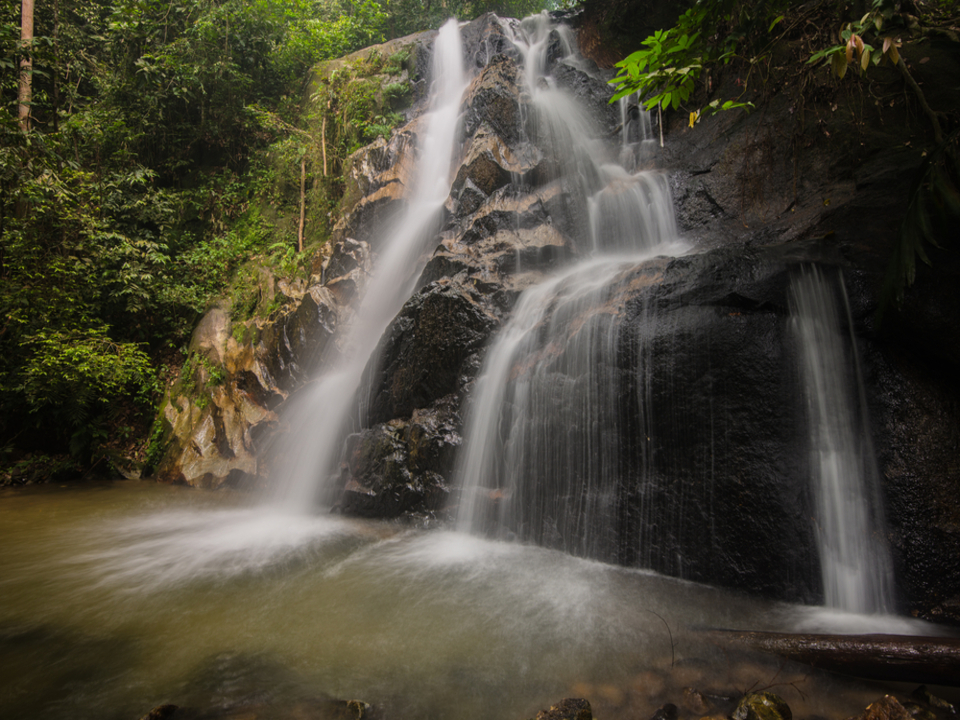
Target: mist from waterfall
x=856, y=569
x=540, y=453
x=322, y=412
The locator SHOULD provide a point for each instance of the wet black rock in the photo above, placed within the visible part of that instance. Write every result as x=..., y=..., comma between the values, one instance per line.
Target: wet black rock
x=424, y=353
x=586, y=82
x=484, y=39
x=395, y=468
x=494, y=99
x=666, y=712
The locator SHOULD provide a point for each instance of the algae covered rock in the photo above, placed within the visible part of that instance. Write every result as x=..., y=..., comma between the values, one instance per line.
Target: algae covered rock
x=762, y=706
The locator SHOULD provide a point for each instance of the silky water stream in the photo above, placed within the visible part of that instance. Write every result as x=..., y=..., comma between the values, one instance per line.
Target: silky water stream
x=120, y=597
x=322, y=412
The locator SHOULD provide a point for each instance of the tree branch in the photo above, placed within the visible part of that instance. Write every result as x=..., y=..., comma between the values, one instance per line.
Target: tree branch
x=937, y=132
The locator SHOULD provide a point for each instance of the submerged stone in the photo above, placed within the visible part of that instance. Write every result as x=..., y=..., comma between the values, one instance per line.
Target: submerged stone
x=165, y=712
x=665, y=712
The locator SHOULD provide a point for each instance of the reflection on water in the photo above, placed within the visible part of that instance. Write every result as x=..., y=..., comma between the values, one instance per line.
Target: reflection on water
x=119, y=598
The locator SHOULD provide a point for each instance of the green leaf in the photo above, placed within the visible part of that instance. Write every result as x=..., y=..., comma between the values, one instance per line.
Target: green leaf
x=838, y=64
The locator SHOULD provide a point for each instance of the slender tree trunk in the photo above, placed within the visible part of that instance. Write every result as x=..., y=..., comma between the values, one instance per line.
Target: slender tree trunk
x=303, y=201
x=323, y=141
x=56, y=68
x=26, y=63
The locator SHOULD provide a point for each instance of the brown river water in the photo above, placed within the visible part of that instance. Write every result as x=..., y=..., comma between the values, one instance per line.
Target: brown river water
x=118, y=597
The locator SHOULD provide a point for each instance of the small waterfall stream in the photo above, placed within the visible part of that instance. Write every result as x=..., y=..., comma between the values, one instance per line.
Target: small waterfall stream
x=323, y=411
x=857, y=575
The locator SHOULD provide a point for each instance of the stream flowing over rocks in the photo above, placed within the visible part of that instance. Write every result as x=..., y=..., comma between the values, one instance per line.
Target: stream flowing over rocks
x=710, y=457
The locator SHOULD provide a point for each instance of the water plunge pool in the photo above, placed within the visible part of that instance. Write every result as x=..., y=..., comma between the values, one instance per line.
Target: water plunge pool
x=118, y=597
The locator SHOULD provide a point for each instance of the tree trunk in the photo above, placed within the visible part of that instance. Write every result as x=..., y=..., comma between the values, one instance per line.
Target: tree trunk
x=303, y=201
x=26, y=63
x=905, y=658
x=323, y=141
x=56, y=71
x=934, y=120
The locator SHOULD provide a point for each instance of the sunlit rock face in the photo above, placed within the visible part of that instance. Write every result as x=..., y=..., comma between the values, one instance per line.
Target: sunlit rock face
x=708, y=468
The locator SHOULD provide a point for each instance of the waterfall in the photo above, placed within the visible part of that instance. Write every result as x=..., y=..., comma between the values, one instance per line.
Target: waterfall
x=576, y=433
x=322, y=412
x=856, y=569
x=541, y=441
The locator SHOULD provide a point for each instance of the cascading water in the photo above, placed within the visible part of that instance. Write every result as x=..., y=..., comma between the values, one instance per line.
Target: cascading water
x=323, y=411
x=856, y=570
x=637, y=143
x=558, y=443
x=540, y=457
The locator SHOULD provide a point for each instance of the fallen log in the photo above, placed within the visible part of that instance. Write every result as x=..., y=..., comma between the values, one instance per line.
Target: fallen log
x=905, y=658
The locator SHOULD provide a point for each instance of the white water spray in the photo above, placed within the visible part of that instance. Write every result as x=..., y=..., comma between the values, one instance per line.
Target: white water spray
x=855, y=565
x=322, y=412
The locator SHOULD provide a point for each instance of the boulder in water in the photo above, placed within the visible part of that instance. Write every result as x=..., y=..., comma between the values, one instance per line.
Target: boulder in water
x=763, y=706
x=886, y=708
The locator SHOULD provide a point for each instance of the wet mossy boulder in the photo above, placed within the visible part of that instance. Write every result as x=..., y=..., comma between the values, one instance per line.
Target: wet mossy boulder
x=762, y=706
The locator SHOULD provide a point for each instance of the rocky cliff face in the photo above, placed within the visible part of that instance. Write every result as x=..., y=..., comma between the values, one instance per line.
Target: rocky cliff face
x=718, y=358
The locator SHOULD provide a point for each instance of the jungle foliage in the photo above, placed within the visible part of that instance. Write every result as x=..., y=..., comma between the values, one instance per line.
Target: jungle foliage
x=161, y=136
x=673, y=68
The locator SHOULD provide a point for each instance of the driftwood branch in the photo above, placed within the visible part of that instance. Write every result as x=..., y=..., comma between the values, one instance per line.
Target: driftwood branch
x=905, y=658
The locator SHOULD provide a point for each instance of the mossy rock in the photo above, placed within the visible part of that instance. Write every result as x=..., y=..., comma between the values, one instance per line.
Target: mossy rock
x=762, y=706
